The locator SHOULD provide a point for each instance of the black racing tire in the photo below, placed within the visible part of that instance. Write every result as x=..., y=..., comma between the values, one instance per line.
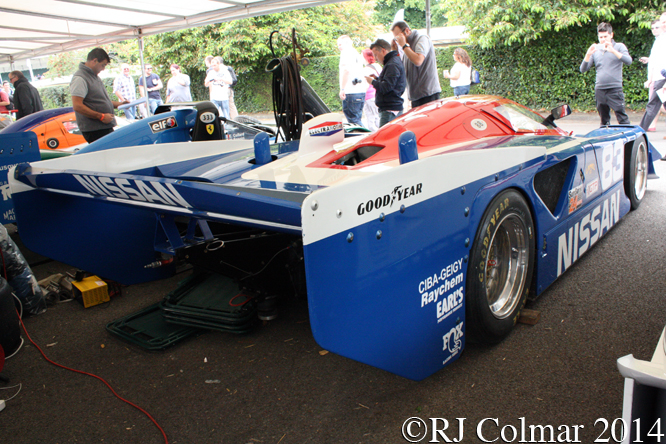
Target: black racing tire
x=500, y=269
x=246, y=120
x=636, y=171
x=53, y=143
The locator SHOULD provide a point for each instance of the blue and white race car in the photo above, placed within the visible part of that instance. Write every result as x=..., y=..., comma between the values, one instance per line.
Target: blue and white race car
x=406, y=241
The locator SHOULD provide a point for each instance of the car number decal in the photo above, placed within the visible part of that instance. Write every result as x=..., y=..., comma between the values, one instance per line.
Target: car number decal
x=479, y=124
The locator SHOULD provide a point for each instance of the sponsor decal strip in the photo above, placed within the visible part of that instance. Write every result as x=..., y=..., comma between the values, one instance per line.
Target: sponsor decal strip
x=136, y=189
x=453, y=341
x=163, y=124
x=326, y=129
x=438, y=285
x=409, y=184
x=398, y=194
x=199, y=214
x=583, y=234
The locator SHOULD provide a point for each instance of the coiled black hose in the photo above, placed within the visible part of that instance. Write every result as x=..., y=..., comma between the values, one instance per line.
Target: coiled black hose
x=287, y=96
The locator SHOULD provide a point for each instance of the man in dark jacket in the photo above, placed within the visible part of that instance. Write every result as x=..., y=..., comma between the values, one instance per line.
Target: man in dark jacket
x=390, y=84
x=26, y=96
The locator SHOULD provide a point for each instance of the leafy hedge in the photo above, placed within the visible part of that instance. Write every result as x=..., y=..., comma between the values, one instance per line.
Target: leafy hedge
x=541, y=75
x=57, y=96
x=545, y=73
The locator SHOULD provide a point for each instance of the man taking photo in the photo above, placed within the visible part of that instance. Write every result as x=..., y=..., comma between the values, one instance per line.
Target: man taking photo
x=608, y=57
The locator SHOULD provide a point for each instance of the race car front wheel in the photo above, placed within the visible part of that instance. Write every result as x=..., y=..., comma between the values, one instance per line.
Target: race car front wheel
x=636, y=171
x=52, y=143
x=501, y=266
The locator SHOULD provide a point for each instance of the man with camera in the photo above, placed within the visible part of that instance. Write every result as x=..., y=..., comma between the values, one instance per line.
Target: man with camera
x=420, y=63
x=390, y=84
x=608, y=57
x=352, y=83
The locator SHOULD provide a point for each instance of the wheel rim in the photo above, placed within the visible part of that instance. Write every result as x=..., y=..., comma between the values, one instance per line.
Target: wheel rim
x=506, y=266
x=641, y=171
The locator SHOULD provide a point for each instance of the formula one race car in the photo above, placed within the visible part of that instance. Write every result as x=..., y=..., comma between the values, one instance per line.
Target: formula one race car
x=406, y=241
x=55, y=128
x=54, y=133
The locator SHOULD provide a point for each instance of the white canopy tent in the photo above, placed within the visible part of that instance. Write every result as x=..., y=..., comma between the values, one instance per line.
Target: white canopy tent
x=32, y=28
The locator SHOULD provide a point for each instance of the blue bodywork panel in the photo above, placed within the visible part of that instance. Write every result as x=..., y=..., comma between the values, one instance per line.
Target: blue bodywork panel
x=16, y=148
x=148, y=131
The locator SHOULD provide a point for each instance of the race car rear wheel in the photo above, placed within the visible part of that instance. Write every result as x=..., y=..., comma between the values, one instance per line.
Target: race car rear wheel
x=52, y=143
x=636, y=171
x=501, y=266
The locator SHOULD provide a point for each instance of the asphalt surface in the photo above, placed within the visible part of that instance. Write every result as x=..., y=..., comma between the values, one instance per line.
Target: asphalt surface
x=276, y=385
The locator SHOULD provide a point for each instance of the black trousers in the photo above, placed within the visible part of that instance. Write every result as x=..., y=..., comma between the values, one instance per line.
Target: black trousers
x=611, y=98
x=424, y=100
x=91, y=136
x=652, y=108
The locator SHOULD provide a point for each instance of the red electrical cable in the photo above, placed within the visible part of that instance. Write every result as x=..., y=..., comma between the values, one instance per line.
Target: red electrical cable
x=96, y=377
x=247, y=299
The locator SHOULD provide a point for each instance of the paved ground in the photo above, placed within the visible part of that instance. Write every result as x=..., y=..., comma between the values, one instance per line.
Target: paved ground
x=275, y=386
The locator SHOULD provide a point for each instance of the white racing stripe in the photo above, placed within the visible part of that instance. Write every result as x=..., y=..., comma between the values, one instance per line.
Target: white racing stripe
x=122, y=160
x=336, y=209
x=184, y=211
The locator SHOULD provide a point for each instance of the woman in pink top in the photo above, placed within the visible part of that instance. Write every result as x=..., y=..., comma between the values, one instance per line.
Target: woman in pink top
x=371, y=68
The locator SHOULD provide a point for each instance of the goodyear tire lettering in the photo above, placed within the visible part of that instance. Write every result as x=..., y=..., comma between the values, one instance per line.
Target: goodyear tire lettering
x=485, y=324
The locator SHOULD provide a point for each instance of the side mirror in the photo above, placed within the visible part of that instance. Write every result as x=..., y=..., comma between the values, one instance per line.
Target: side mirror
x=557, y=113
x=560, y=111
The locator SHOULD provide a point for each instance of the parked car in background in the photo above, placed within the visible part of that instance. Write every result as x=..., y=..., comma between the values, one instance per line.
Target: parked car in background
x=55, y=128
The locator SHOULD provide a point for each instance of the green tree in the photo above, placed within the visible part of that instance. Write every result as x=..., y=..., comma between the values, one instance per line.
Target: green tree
x=244, y=44
x=126, y=51
x=65, y=63
x=415, y=14
x=493, y=22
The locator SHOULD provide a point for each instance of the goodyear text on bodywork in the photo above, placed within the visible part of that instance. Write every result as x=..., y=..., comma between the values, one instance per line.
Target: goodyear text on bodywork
x=399, y=193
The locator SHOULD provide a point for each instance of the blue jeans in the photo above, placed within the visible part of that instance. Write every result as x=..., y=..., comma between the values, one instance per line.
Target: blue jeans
x=223, y=106
x=352, y=106
x=130, y=113
x=154, y=103
x=461, y=90
x=386, y=116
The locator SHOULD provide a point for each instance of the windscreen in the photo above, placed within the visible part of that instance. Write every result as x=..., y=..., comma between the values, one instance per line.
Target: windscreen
x=522, y=119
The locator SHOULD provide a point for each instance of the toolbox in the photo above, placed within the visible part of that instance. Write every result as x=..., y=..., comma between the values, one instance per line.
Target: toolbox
x=90, y=291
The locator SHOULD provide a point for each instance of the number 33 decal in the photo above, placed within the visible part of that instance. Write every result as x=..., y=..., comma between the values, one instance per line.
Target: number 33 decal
x=612, y=164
